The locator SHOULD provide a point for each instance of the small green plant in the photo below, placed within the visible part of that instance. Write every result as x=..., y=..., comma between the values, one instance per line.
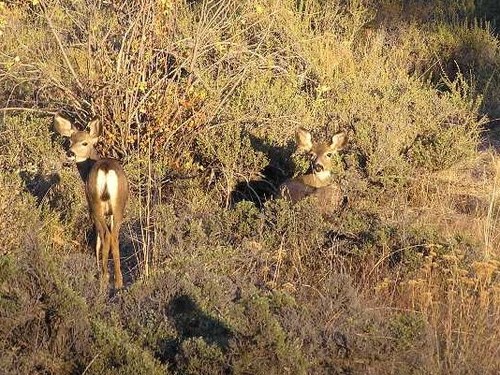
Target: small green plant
x=198, y=357
x=407, y=329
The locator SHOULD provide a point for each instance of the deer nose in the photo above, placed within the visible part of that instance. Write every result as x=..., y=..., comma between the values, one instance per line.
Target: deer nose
x=70, y=154
x=318, y=167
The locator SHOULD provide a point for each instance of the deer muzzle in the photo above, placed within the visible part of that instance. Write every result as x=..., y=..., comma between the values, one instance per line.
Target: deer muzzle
x=318, y=167
x=70, y=155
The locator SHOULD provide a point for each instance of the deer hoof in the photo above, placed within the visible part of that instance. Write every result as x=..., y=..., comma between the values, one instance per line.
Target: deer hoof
x=118, y=282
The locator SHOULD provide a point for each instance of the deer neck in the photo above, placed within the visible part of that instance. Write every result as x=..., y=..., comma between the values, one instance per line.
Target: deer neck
x=320, y=179
x=85, y=166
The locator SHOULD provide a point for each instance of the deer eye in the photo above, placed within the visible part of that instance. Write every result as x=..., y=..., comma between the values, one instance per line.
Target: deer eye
x=329, y=155
x=85, y=144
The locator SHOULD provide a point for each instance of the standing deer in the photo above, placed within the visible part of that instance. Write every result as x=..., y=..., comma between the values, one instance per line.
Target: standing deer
x=318, y=181
x=106, y=189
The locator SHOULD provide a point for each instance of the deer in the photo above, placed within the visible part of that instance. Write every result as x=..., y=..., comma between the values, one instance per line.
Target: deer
x=319, y=180
x=106, y=190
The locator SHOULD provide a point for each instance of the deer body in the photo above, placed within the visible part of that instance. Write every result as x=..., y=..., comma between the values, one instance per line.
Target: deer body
x=319, y=181
x=106, y=190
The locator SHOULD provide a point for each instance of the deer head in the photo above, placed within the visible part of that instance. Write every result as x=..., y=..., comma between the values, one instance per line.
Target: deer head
x=321, y=155
x=81, y=142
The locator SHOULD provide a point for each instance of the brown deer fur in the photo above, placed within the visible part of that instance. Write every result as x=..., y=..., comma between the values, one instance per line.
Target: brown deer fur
x=319, y=181
x=106, y=190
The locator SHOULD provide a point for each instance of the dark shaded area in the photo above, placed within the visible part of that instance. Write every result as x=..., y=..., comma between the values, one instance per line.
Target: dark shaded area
x=491, y=136
x=343, y=349
x=131, y=244
x=257, y=191
x=367, y=222
x=279, y=169
x=191, y=322
x=130, y=255
x=38, y=185
x=437, y=10
x=167, y=65
x=490, y=11
x=129, y=263
x=468, y=204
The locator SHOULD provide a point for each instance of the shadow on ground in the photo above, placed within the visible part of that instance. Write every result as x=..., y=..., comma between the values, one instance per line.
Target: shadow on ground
x=38, y=185
x=491, y=136
x=191, y=322
x=279, y=169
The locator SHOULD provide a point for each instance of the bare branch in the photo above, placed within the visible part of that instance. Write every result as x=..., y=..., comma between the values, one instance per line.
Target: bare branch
x=23, y=109
x=61, y=47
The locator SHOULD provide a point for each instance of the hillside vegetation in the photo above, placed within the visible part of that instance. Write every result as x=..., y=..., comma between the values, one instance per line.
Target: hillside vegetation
x=200, y=101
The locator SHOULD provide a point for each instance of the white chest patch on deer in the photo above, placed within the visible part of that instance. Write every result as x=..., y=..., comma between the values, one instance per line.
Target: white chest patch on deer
x=323, y=176
x=107, y=187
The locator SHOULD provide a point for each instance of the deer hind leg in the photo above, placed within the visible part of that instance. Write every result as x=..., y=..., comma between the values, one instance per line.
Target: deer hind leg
x=105, y=256
x=98, y=245
x=102, y=245
x=116, y=220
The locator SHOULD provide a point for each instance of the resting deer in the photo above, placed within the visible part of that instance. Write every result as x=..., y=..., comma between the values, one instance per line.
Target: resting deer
x=318, y=181
x=106, y=189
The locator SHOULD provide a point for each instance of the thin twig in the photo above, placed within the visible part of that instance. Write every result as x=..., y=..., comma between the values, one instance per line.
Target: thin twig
x=398, y=251
x=61, y=47
x=90, y=363
x=21, y=109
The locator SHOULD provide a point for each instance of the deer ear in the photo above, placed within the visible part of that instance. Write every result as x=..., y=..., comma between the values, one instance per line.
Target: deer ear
x=339, y=141
x=303, y=139
x=95, y=128
x=63, y=126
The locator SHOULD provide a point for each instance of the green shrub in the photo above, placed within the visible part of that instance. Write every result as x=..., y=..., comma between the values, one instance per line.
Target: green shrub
x=117, y=353
x=198, y=357
x=261, y=336
x=406, y=329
